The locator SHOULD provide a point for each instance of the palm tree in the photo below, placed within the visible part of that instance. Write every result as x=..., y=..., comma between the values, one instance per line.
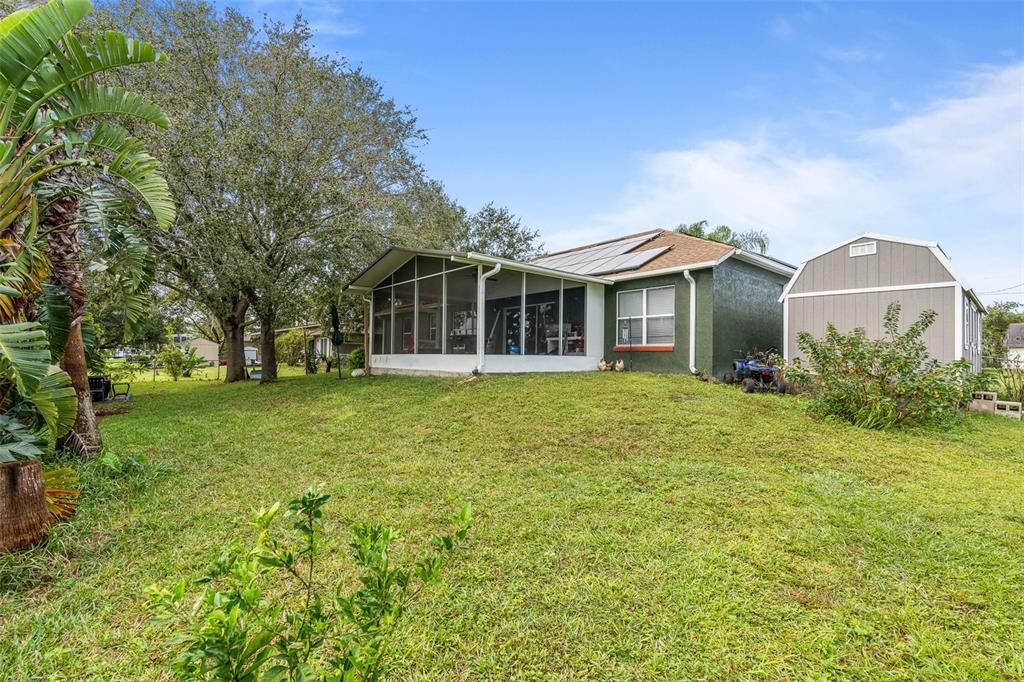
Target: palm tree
x=751, y=240
x=56, y=127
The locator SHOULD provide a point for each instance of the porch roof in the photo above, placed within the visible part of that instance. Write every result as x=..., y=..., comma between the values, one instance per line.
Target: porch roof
x=396, y=256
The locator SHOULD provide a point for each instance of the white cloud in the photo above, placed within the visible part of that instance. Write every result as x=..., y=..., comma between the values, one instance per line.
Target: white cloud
x=968, y=148
x=953, y=172
x=324, y=16
x=781, y=28
x=334, y=28
x=852, y=55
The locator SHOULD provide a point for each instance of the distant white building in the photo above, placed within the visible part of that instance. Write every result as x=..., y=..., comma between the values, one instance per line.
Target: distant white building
x=205, y=348
x=1015, y=345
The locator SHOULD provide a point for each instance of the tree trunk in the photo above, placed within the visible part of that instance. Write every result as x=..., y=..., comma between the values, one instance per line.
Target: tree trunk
x=268, y=351
x=84, y=436
x=234, y=345
x=23, y=517
x=65, y=247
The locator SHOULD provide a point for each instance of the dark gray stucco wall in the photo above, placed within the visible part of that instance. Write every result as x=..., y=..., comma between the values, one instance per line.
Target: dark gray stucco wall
x=747, y=311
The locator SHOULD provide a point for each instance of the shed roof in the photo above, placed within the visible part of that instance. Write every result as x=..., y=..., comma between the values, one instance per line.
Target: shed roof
x=934, y=247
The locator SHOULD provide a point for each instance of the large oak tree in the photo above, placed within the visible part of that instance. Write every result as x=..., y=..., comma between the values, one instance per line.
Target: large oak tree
x=285, y=164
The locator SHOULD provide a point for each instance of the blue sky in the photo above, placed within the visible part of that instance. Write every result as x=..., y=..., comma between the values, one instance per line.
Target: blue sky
x=812, y=121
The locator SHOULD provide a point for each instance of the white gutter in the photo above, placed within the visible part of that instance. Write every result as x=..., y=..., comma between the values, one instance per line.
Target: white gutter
x=763, y=262
x=693, y=321
x=481, y=296
x=623, y=277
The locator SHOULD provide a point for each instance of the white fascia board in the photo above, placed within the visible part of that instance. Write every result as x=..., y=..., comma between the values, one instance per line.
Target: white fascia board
x=890, y=238
x=762, y=262
x=948, y=264
x=958, y=324
x=785, y=329
x=479, y=258
x=868, y=290
x=622, y=277
x=793, y=279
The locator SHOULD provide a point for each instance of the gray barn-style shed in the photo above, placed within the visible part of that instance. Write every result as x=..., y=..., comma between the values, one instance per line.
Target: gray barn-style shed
x=852, y=283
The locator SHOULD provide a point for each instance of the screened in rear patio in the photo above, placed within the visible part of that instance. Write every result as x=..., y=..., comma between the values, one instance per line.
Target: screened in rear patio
x=453, y=313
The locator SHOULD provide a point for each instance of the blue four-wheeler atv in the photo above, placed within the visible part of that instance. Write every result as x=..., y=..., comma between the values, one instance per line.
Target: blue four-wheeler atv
x=755, y=373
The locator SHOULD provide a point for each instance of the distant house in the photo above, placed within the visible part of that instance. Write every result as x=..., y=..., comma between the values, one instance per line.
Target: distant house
x=205, y=348
x=321, y=338
x=657, y=300
x=1015, y=344
x=852, y=283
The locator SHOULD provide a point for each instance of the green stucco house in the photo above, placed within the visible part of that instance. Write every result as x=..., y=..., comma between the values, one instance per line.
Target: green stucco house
x=692, y=307
x=658, y=300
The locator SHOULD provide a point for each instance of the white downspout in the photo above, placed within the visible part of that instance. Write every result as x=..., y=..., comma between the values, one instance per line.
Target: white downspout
x=481, y=295
x=693, y=321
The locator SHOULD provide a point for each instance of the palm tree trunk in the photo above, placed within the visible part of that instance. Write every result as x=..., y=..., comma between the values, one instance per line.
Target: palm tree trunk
x=62, y=234
x=84, y=436
x=24, y=519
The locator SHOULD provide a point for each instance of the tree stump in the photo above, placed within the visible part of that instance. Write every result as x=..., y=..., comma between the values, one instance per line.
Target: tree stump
x=24, y=520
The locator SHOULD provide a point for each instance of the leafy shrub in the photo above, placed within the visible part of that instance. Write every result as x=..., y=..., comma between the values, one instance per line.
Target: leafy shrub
x=176, y=363
x=1010, y=380
x=172, y=360
x=191, y=363
x=886, y=382
x=356, y=359
x=290, y=347
x=312, y=360
x=126, y=370
x=121, y=466
x=264, y=613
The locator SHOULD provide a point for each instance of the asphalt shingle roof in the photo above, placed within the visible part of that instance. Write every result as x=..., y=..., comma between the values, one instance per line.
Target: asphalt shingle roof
x=682, y=249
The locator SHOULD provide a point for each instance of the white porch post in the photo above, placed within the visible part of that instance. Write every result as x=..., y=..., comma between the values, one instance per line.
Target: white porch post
x=481, y=297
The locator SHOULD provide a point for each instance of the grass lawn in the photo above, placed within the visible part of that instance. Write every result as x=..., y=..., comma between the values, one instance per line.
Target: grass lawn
x=205, y=373
x=627, y=527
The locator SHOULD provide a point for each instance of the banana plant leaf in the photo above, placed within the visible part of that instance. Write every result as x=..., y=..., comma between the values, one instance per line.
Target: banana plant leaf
x=93, y=354
x=55, y=314
x=24, y=355
x=55, y=403
x=18, y=441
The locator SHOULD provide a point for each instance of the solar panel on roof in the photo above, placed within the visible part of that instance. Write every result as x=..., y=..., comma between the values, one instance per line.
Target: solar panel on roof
x=577, y=259
x=616, y=263
x=628, y=261
x=593, y=252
